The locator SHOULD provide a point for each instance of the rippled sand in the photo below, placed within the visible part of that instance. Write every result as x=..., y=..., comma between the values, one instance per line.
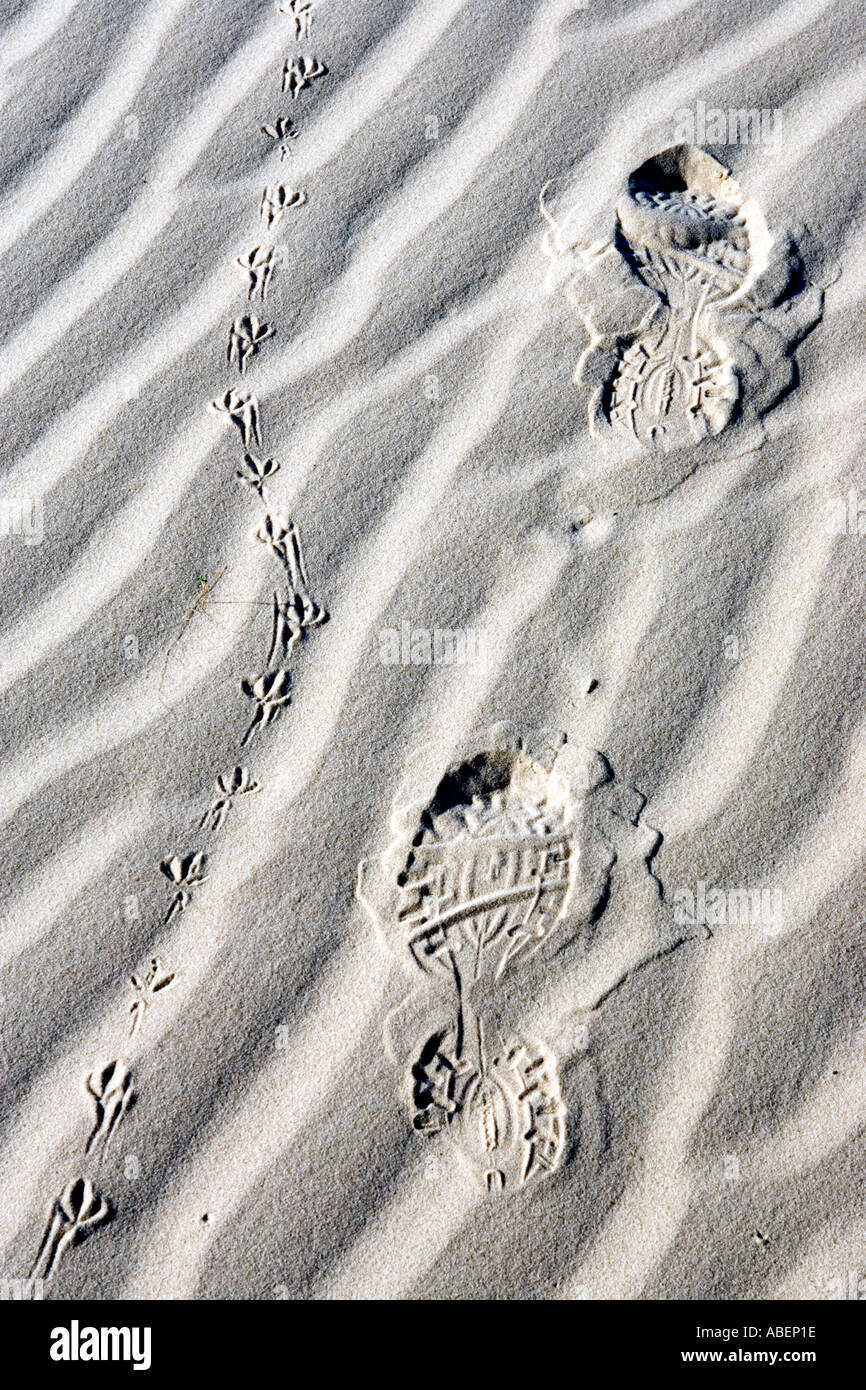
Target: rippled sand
x=236, y=1122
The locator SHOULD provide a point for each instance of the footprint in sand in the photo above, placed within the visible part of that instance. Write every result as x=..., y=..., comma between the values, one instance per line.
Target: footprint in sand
x=490, y=859
x=75, y=1214
x=693, y=310
x=110, y=1089
x=499, y=1099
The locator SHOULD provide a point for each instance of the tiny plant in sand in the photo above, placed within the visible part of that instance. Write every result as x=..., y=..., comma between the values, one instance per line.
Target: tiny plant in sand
x=205, y=586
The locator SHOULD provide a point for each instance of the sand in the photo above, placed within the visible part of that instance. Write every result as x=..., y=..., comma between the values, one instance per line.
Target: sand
x=408, y=464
